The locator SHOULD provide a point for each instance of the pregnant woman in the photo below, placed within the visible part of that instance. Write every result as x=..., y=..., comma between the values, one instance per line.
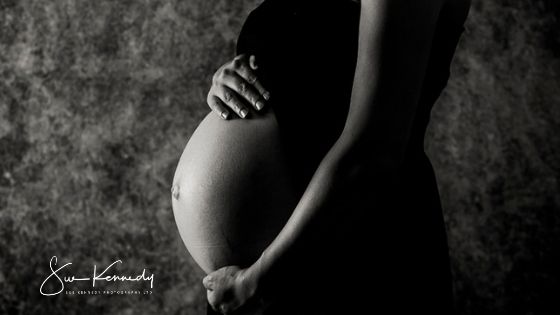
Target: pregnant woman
x=309, y=192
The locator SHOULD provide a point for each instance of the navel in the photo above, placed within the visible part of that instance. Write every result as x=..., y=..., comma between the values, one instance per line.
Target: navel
x=175, y=191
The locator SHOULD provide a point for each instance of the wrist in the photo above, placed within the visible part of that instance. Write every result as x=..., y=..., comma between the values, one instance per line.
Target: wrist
x=258, y=278
x=253, y=277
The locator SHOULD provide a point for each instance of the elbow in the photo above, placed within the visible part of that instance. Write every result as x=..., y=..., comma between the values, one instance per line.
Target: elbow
x=367, y=157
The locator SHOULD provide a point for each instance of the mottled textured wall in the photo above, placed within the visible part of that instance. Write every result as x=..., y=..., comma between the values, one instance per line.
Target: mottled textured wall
x=97, y=99
x=495, y=143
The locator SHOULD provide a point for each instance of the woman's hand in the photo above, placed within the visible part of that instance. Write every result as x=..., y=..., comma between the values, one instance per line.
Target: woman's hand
x=230, y=288
x=235, y=87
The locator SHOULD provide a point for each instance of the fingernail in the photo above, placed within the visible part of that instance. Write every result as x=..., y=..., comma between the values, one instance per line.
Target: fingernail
x=224, y=115
x=254, y=62
x=243, y=113
x=259, y=105
x=266, y=95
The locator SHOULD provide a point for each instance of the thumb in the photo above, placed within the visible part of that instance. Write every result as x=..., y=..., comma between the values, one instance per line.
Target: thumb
x=253, y=62
x=208, y=282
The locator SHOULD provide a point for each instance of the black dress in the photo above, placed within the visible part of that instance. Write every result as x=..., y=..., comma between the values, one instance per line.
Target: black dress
x=392, y=258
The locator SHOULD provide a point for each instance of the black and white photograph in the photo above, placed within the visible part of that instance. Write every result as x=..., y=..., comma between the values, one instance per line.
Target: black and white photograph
x=280, y=157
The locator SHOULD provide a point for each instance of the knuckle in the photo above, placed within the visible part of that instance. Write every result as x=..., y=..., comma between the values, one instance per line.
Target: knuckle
x=228, y=96
x=255, y=99
x=227, y=72
x=237, y=63
x=252, y=97
x=243, y=88
x=236, y=107
x=252, y=79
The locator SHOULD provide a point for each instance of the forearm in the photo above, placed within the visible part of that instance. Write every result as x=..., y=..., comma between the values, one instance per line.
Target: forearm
x=315, y=212
x=395, y=40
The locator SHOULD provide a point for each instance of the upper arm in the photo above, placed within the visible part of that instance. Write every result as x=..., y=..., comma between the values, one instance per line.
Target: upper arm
x=395, y=38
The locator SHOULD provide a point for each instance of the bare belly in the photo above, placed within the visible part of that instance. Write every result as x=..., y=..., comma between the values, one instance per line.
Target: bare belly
x=231, y=190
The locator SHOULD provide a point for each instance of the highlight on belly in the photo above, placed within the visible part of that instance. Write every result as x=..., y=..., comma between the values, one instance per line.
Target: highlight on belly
x=232, y=191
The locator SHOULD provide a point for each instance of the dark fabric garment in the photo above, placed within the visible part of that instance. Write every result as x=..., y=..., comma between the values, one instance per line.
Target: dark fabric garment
x=293, y=41
x=392, y=257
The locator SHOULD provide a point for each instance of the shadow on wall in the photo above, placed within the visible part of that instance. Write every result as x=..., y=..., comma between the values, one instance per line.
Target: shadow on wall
x=97, y=100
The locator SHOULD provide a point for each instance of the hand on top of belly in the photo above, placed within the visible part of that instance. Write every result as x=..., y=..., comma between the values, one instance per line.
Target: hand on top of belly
x=235, y=87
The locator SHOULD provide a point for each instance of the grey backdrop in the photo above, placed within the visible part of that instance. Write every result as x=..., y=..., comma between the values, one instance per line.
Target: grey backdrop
x=98, y=98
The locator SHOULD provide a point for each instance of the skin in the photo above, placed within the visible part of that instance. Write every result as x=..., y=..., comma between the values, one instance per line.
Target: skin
x=236, y=88
x=231, y=190
x=394, y=46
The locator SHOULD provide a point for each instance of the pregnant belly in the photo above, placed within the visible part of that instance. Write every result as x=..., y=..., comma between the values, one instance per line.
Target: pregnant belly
x=231, y=191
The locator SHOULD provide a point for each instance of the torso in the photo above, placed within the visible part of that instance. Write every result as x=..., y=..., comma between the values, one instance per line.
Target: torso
x=403, y=226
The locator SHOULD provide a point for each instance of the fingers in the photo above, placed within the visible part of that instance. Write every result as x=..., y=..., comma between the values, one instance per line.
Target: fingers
x=221, y=308
x=250, y=76
x=232, y=100
x=238, y=84
x=221, y=97
x=216, y=302
x=212, y=300
x=221, y=293
x=217, y=106
x=235, y=86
